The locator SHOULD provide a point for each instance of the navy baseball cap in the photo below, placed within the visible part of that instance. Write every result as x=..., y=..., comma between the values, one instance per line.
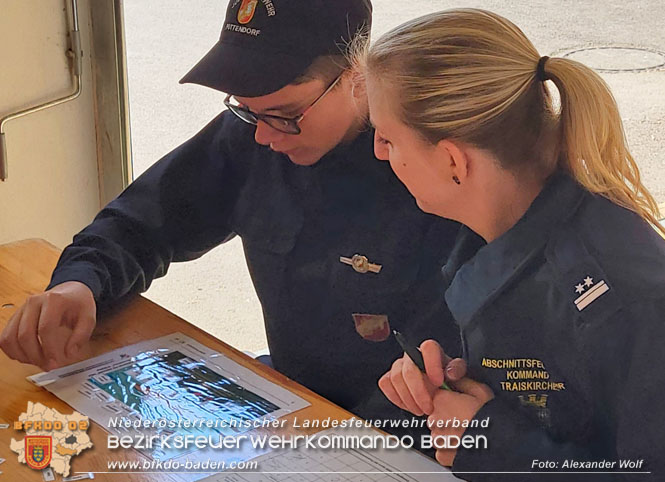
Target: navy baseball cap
x=267, y=44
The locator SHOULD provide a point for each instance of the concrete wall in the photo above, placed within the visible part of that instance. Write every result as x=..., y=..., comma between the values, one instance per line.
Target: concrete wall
x=52, y=190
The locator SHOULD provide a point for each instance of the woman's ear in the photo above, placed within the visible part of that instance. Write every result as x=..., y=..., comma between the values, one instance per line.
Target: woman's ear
x=456, y=158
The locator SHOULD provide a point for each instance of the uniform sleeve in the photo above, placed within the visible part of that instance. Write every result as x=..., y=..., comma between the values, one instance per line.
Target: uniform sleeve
x=627, y=364
x=640, y=387
x=176, y=211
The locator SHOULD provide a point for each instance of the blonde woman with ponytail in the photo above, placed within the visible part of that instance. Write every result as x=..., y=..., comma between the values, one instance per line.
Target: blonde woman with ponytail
x=562, y=311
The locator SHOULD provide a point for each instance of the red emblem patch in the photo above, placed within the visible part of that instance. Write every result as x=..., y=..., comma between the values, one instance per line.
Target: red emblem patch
x=246, y=11
x=38, y=451
x=372, y=327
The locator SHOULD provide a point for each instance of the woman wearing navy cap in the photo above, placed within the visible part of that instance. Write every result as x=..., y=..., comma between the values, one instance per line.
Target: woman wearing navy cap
x=562, y=312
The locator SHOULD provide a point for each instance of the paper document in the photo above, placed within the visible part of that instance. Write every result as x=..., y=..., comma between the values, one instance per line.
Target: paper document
x=172, y=378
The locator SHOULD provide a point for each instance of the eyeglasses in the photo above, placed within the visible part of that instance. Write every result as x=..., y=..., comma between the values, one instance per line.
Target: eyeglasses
x=287, y=125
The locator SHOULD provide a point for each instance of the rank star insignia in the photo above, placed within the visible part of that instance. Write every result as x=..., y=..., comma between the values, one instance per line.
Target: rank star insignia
x=360, y=264
x=589, y=292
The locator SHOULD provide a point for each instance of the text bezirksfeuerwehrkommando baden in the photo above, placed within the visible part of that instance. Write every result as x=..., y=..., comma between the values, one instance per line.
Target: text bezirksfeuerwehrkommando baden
x=174, y=440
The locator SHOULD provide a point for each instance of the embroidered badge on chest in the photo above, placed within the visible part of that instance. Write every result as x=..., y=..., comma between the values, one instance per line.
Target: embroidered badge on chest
x=589, y=291
x=372, y=327
x=246, y=11
x=360, y=263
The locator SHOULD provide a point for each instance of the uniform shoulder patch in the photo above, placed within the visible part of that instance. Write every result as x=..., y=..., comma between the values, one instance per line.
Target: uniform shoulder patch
x=580, y=277
x=589, y=291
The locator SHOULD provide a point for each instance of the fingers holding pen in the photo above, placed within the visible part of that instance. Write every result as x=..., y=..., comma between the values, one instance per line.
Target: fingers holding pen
x=407, y=387
x=439, y=366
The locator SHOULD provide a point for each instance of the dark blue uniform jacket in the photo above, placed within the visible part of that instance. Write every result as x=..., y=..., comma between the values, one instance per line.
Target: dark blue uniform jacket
x=295, y=223
x=563, y=317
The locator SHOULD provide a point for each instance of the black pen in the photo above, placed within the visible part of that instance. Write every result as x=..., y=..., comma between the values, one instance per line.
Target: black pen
x=415, y=355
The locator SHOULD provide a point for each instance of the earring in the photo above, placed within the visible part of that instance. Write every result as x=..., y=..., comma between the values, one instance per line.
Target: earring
x=457, y=181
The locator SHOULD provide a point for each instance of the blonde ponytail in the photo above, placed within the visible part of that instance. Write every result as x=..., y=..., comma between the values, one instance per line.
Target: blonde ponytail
x=593, y=144
x=472, y=75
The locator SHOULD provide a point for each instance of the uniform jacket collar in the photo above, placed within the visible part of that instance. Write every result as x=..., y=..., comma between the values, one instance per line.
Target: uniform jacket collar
x=345, y=154
x=478, y=280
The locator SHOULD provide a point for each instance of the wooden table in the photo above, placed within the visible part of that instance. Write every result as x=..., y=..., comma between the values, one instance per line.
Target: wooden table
x=25, y=269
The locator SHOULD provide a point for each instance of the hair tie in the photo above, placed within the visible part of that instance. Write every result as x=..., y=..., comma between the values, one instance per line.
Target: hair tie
x=540, y=69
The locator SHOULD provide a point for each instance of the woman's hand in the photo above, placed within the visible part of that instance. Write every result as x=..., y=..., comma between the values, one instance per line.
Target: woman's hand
x=462, y=404
x=408, y=388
